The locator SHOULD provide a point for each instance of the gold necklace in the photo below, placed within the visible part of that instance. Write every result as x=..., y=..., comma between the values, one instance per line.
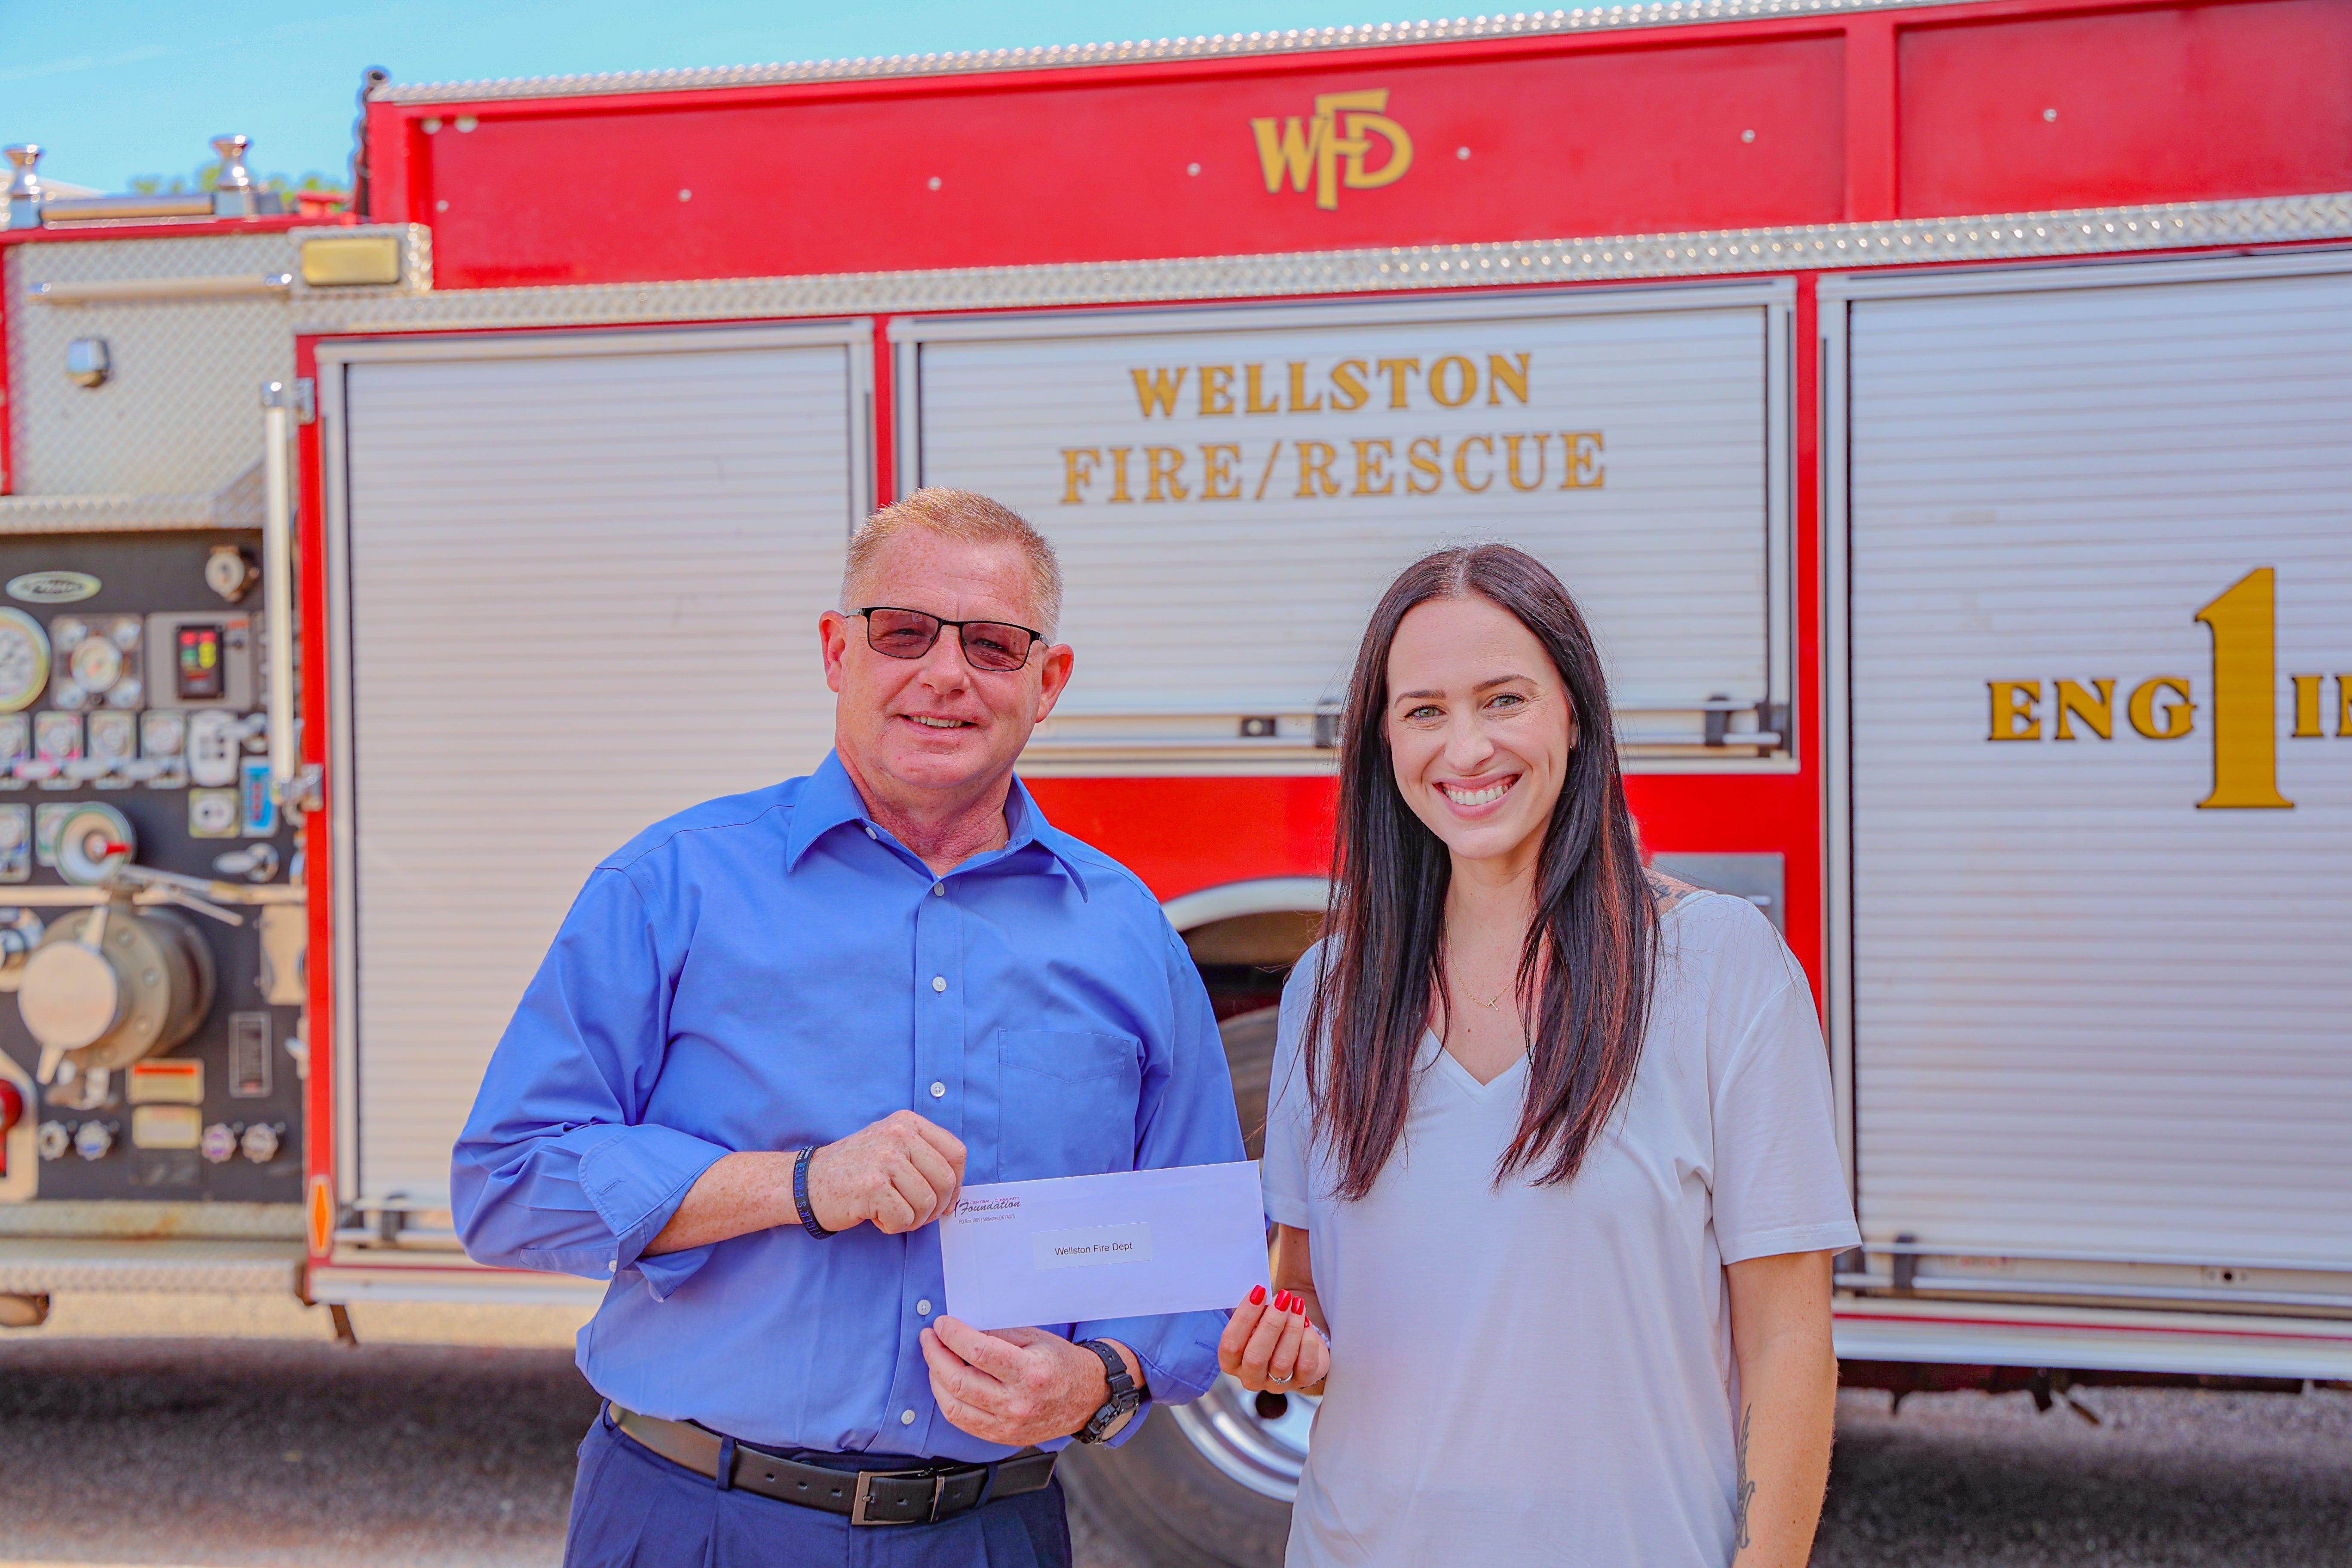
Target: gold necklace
x=1495, y=1001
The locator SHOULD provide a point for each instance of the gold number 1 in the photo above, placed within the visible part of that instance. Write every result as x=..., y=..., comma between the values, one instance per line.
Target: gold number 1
x=2244, y=624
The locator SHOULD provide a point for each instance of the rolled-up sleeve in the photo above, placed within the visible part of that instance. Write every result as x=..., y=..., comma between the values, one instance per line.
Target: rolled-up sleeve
x=1184, y=1117
x=554, y=1170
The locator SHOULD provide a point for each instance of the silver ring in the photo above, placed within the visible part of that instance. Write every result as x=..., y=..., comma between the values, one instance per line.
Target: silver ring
x=1283, y=1378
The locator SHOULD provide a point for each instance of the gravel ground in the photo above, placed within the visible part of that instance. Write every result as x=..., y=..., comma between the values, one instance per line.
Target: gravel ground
x=236, y=1435
x=301, y=1455
x=2168, y=1479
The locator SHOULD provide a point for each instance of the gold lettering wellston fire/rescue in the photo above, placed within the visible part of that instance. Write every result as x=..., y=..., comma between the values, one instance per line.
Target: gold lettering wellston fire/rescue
x=1298, y=468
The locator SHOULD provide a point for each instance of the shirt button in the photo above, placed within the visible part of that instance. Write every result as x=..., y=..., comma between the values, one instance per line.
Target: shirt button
x=938, y=1091
x=869, y=833
x=612, y=1265
x=939, y=982
x=939, y=890
x=906, y=1418
x=923, y=1308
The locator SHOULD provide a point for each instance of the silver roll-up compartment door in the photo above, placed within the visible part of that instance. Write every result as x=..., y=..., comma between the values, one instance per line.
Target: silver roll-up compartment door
x=1231, y=490
x=574, y=587
x=2101, y=791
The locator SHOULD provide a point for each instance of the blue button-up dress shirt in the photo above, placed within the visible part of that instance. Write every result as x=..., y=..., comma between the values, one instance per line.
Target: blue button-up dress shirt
x=773, y=970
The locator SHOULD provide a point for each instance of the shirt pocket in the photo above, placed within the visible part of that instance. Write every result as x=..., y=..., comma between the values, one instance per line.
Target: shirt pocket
x=1067, y=1102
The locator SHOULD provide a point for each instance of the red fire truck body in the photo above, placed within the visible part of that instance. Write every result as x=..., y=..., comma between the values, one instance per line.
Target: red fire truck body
x=1853, y=348
x=1514, y=161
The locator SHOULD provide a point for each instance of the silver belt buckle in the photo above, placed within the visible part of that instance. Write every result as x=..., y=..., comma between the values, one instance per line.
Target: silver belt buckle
x=865, y=1495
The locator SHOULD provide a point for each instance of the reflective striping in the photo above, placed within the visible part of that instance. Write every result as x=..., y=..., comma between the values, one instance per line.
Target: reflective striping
x=2090, y=1017
x=561, y=565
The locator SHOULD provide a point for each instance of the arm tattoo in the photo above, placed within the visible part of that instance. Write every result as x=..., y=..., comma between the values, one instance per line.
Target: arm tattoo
x=1667, y=890
x=1743, y=1489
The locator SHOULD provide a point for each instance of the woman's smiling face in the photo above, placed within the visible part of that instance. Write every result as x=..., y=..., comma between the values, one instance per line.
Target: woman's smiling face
x=1479, y=727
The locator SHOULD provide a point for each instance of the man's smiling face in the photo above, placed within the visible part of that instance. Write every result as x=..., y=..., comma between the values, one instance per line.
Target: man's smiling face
x=911, y=729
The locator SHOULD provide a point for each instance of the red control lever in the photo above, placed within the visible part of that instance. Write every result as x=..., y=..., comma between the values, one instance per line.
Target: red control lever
x=12, y=1111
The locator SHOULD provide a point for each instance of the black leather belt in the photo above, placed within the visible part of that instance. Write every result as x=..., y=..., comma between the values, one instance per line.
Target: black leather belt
x=922, y=1496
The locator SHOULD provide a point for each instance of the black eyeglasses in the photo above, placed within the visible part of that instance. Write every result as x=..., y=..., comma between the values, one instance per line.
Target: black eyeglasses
x=998, y=645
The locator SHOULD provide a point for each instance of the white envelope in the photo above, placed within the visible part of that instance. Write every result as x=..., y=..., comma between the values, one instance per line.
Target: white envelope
x=1130, y=1244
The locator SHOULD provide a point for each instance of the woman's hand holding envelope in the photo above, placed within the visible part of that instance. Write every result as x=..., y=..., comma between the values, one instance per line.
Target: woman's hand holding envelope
x=1273, y=1347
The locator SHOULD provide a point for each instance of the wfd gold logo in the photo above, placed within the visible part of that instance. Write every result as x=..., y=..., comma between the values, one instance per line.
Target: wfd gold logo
x=2244, y=625
x=1337, y=133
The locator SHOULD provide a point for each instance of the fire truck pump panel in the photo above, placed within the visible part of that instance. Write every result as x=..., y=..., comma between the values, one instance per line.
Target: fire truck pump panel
x=151, y=1026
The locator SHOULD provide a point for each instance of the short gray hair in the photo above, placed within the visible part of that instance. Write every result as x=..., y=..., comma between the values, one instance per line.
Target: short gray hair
x=968, y=518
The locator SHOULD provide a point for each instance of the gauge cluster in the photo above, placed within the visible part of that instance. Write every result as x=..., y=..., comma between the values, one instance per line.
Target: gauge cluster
x=156, y=1044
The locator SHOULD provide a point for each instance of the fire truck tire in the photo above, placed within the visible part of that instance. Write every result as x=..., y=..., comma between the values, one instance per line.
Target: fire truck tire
x=1159, y=1495
x=1249, y=1053
x=1161, y=1499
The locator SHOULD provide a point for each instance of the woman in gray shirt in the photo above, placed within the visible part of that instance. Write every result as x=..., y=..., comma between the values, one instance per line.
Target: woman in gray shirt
x=1550, y=1143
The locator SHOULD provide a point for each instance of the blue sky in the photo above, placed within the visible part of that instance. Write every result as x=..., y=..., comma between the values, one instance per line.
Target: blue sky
x=116, y=88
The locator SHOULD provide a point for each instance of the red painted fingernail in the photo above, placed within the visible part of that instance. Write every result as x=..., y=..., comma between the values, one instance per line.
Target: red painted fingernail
x=1257, y=1295
x=1282, y=1302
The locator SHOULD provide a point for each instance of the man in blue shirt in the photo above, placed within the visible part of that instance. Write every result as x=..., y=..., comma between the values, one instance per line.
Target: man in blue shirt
x=775, y=1036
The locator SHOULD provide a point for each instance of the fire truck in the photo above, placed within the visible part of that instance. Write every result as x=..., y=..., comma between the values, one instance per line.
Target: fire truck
x=1941, y=412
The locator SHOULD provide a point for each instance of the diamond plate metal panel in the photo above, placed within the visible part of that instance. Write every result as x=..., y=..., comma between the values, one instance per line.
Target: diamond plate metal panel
x=139, y=1220
x=179, y=419
x=36, y=1266
x=2087, y=231
x=237, y=505
x=180, y=413
x=1298, y=40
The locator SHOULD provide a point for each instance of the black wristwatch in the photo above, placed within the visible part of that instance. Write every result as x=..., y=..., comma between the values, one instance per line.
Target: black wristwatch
x=1126, y=1395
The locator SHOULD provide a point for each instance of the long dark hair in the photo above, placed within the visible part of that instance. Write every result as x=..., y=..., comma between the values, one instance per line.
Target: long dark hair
x=1591, y=948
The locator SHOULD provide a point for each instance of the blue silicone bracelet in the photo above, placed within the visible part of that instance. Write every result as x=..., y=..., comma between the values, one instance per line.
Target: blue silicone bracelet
x=800, y=1196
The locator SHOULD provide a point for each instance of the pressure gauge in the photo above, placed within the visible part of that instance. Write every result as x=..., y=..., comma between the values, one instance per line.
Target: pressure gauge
x=68, y=631
x=96, y=663
x=125, y=632
x=162, y=731
x=113, y=735
x=91, y=842
x=24, y=659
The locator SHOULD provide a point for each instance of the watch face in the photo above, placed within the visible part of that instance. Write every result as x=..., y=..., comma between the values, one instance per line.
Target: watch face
x=1108, y=1421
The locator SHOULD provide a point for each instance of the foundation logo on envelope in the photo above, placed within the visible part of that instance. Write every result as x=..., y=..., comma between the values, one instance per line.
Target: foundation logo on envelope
x=1089, y=1245
x=980, y=1211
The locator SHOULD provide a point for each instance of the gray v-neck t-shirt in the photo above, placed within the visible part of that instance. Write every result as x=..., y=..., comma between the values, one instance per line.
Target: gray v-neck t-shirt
x=1526, y=1374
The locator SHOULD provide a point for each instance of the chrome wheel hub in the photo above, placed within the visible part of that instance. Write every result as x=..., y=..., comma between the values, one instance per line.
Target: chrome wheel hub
x=1263, y=1453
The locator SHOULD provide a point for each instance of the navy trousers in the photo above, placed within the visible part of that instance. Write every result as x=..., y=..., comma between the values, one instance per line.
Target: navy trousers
x=633, y=1508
